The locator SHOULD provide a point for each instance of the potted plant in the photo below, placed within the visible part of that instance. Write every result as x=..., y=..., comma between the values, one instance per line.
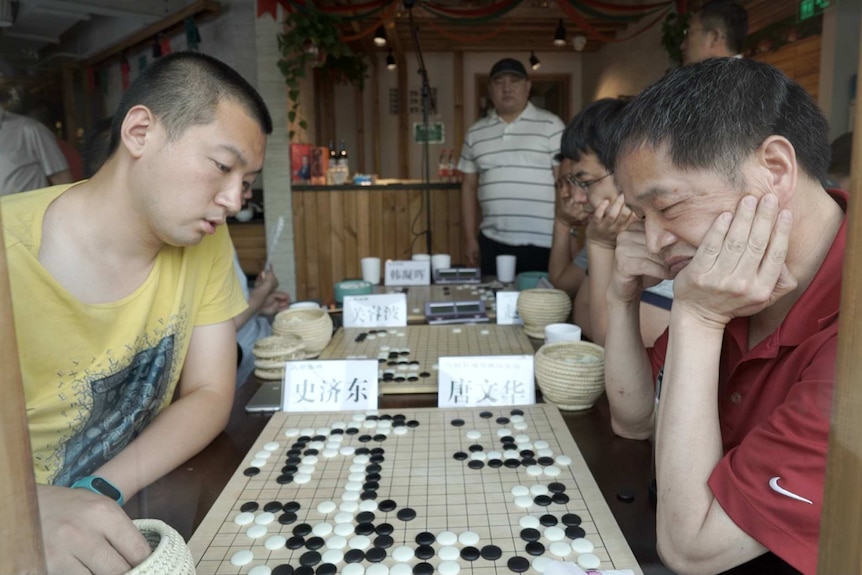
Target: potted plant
x=312, y=38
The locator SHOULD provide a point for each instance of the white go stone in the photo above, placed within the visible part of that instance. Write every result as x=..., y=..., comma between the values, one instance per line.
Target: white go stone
x=503, y=432
x=343, y=517
x=333, y=556
x=447, y=538
x=448, y=568
x=260, y=570
x=353, y=486
x=478, y=456
x=560, y=549
x=521, y=438
x=368, y=505
x=358, y=417
x=349, y=506
x=310, y=460
x=448, y=553
x=516, y=418
x=539, y=489
x=484, y=332
x=529, y=522
x=271, y=446
x=326, y=507
x=541, y=444
x=339, y=425
x=306, y=468
x=473, y=434
x=316, y=445
x=359, y=542
x=336, y=542
x=330, y=452
x=589, y=561
x=402, y=554
x=541, y=563
x=265, y=518
x=520, y=425
x=291, y=432
x=369, y=424
x=241, y=558
x=563, y=460
x=323, y=431
x=554, y=534
x=347, y=450
x=322, y=529
x=344, y=529
x=456, y=330
x=581, y=545
x=534, y=470
x=377, y=569
x=258, y=462
x=353, y=569
x=275, y=542
x=350, y=496
x=511, y=454
x=495, y=455
x=399, y=430
x=244, y=518
x=357, y=468
x=524, y=501
x=468, y=538
x=256, y=531
x=552, y=471
x=520, y=490
x=307, y=431
x=544, y=452
x=399, y=569
x=362, y=459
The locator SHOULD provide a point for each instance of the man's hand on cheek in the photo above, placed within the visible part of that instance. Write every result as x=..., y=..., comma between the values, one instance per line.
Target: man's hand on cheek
x=634, y=267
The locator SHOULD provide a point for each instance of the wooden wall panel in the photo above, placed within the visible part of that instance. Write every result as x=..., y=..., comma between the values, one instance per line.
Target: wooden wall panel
x=800, y=61
x=336, y=228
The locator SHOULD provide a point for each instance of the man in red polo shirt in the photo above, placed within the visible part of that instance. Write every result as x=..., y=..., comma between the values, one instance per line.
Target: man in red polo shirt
x=723, y=161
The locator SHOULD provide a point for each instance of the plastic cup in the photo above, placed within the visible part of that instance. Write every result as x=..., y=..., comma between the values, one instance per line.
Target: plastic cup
x=371, y=270
x=441, y=261
x=421, y=257
x=557, y=332
x=506, y=268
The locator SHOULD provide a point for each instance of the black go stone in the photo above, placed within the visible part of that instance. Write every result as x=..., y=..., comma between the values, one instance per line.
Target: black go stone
x=527, y=453
x=370, y=486
x=354, y=556
x=548, y=520
x=575, y=532
x=375, y=554
x=530, y=534
x=295, y=542
x=491, y=552
x=371, y=418
x=458, y=422
x=378, y=451
x=364, y=529
x=326, y=569
x=412, y=423
x=476, y=464
x=364, y=517
x=287, y=518
x=460, y=456
x=351, y=431
x=304, y=438
x=302, y=529
x=365, y=438
x=502, y=420
x=249, y=506
x=295, y=452
x=366, y=495
x=518, y=564
x=424, y=374
x=373, y=468
x=372, y=477
x=535, y=548
x=314, y=543
x=311, y=452
x=424, y=552
x=560, y=498
x=304, y=570
x=476, y=447
x=309, y=558
x=486, y=415
x=406, y=514
x=283, y=569
x=362, y=451
x=384, y=529
x=469, y=553
x=423, y=569
x=528, y=461
x=319, y=438
x=626, y=495
x=425, y=538
x=386, y=417
x=542, y=500
x=284, y=479
x=289, y=468
x=546, y=461
x=379, y=438
x=336, y=432
x=273, y=507
x=512, y=463
x=251, y=471
x=292, y=506
x=387, y=505
x=516, y=412
x=384, y=541
x=495, y=463
x=556, y=487
x=571, y=519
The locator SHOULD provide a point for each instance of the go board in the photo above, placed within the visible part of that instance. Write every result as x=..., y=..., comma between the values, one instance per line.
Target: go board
x=411, y=492
x=417, y=296
x=408, y=356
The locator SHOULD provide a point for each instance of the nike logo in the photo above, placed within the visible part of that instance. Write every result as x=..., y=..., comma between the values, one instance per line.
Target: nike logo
x=773, y=483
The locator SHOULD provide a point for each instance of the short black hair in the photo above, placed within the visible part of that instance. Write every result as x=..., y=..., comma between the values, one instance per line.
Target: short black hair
x=842, y=151
x=592, y=130
x=714, y=114
x=729, y=17
x=183, y=89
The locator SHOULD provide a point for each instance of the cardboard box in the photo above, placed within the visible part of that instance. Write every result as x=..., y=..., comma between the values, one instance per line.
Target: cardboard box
x=319, y=165
x=300, y=163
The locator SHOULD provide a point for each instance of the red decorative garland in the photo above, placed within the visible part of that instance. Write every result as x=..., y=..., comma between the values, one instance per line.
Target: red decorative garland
x=583, y=23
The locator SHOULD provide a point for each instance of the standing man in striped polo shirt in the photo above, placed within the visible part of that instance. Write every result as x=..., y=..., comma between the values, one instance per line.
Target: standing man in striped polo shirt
x=509, y=166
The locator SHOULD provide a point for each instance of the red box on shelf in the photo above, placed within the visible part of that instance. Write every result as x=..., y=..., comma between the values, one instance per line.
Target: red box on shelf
x=300, y=163
x=319, y=165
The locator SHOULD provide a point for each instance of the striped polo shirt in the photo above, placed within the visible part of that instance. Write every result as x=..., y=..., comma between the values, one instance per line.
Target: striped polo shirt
x=516, y=183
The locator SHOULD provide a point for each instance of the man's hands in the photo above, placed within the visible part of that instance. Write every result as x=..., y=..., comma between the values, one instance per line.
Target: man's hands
x=634, y=267
x=265, y=293
x=566, y=209
x=739, y=268
x=87, y=533
x=609, y=220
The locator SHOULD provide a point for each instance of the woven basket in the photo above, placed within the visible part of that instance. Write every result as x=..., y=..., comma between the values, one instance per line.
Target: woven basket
x=312, y=326
x=571, y=374
x=540, y=307
x=170, y=556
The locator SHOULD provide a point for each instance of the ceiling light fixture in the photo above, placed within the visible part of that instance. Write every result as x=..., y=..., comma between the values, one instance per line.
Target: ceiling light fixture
x=380, y=37
x=579, y=42
x=535, y=63
x=560, y=34
x=390, y=61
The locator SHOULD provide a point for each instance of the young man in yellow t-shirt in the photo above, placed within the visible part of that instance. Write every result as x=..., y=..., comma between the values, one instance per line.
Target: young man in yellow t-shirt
x=123, y=292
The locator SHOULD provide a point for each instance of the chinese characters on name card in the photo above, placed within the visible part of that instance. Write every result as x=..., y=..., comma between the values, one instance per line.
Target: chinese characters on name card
x=381, y=310
x=335, y=385
x=407, y=273
x=486, y=381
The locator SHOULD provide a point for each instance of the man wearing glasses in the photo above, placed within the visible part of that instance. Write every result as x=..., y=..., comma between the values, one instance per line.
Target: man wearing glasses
x=509, y=165
x=717, y=30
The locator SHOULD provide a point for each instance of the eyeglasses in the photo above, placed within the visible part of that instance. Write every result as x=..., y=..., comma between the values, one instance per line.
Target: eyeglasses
x=584, y=185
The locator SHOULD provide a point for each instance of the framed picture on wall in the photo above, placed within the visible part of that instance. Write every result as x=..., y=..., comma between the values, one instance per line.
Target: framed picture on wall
x=548, y=91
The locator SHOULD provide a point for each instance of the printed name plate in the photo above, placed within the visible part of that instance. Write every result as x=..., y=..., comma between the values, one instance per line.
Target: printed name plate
x=380, y=310
x=407, y=273
x=485, y=380
x=334, y=385
x=507, y=308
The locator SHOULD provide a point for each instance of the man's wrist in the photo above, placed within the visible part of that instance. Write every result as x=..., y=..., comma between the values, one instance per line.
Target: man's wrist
x=100, y=485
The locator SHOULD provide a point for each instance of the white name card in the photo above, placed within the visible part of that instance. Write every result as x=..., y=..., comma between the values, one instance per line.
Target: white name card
x=507, y=308
x=379, y=310
x=475, y=381
x=407, y=273
x=334, y=385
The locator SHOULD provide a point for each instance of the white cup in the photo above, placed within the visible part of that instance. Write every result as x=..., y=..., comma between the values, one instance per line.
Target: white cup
x=421, y=257
x=441, y=261
x=556, y=332
x=371, y=270
x=304, y=305
x=506, y=268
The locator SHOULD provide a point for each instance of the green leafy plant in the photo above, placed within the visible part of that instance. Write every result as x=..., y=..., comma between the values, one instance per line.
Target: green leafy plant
x=312, y=39
x=672, y=34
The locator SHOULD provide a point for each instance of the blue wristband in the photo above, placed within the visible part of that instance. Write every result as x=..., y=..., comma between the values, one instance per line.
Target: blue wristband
x=101, y=486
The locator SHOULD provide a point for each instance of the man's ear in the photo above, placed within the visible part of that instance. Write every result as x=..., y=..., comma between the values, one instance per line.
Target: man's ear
x=778, y=157
x=136, y=128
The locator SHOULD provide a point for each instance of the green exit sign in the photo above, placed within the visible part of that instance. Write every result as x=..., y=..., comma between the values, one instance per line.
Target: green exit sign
x=810, y=8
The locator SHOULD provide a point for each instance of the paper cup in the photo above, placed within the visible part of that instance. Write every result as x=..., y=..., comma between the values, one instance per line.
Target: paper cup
x=506, y=268
x=441, y=261
x=557, y=332
x=371, y=270
x=421, y=257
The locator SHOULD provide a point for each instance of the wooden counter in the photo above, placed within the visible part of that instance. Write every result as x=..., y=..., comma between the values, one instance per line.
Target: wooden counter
x=335, y=226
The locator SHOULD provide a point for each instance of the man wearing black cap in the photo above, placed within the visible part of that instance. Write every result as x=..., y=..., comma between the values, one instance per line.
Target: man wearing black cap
x=509, y=166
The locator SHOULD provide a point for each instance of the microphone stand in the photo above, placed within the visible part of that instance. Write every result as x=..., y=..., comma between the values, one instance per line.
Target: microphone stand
x=426, y=106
